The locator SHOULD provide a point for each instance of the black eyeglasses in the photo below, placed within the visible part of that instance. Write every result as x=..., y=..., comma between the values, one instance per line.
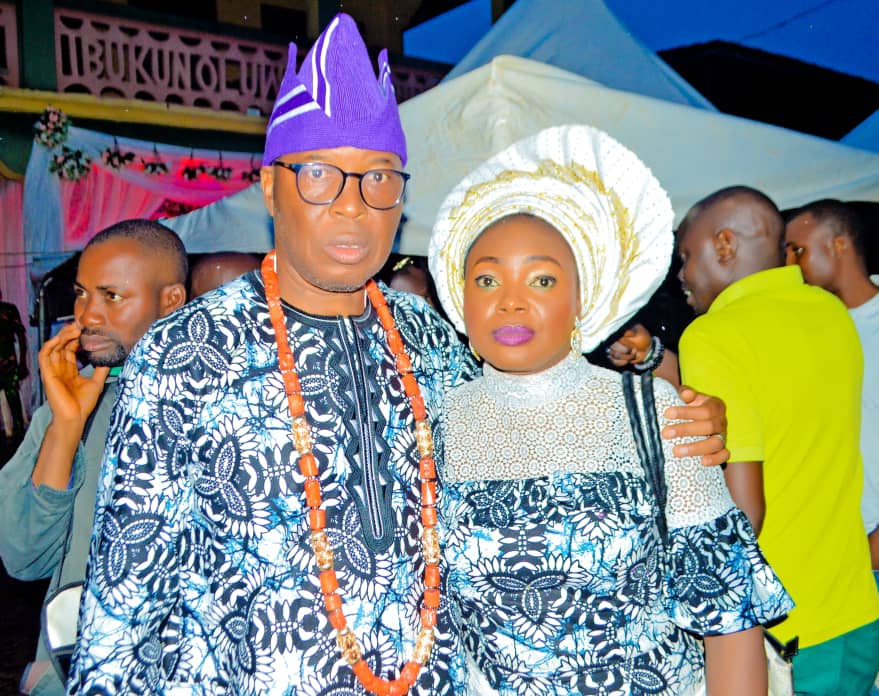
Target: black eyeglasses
x=320, y=184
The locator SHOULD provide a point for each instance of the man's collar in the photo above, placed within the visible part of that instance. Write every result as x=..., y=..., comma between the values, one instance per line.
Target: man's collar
x=757, y=283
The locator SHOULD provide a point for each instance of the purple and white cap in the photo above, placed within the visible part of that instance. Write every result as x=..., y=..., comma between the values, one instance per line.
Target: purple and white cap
x=335, y=99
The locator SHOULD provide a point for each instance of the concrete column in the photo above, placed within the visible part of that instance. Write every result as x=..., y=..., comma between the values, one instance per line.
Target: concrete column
x=36, y=45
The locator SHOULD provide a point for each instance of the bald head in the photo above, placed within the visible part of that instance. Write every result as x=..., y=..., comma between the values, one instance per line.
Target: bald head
x=747, y=212
x=214, y=270
x=727, y=236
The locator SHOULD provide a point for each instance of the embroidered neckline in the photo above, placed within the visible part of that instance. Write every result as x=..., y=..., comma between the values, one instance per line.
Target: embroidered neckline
x=347, y=642
x=527, y=391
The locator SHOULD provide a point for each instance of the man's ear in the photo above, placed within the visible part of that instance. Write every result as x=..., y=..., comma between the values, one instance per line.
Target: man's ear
x=725, y=245
x=172, y=297
x=840, y=245
x=267, y=182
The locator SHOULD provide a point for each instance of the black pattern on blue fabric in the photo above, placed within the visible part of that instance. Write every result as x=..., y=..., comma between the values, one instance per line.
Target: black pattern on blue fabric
x=204, y=578
x=563, y=585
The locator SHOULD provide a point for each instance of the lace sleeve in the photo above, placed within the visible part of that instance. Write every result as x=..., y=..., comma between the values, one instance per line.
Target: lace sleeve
x=717, y=579
x=696, y=493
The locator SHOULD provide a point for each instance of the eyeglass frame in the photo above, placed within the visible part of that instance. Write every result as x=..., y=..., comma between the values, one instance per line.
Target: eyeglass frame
x=295, y=167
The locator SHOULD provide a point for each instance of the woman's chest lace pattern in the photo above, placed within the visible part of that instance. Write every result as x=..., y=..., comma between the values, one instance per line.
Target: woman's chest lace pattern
x=587, y=431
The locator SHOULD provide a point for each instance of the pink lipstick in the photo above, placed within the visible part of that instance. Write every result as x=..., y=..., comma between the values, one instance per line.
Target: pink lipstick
x=513, y=335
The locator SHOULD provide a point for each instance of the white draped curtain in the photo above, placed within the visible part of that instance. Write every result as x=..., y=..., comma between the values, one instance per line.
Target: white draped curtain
x=120, y=179
x=13, y=267
x=62, y=214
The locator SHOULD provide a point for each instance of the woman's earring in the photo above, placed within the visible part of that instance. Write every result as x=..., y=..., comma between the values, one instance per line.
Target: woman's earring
x=576, y=340
x=475, y=354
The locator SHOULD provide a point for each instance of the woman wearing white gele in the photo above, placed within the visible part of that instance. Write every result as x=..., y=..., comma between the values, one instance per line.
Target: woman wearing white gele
x=570, y=574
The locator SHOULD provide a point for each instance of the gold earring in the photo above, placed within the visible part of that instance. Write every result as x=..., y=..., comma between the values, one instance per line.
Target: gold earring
x=475, y=354
x=576, y=340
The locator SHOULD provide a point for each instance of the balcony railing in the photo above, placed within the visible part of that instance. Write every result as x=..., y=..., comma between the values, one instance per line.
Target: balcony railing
x=114, y=56
x=8, y=46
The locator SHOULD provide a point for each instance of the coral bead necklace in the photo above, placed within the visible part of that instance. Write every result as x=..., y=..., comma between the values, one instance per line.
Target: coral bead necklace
x=349, y=647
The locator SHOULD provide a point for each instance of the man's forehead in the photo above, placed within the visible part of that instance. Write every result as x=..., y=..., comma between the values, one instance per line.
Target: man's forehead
x=335, y=154
x=116, y=261
x=732, y=212
x=804, y=227
x=114, y=245
x=723, y=212
x=695, y=226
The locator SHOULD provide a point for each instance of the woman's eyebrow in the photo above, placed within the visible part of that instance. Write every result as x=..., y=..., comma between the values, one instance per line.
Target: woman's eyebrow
x=549, y=259
x=487, y=259
x=529, y=259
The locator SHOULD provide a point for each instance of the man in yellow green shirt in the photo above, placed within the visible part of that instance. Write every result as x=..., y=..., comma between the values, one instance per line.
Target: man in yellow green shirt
x=786, y=359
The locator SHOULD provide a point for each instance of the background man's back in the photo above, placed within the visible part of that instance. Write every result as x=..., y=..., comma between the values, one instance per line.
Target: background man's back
x=786, y=358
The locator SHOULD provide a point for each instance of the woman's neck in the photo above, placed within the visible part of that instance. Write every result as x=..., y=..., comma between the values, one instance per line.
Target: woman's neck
x=551, y=384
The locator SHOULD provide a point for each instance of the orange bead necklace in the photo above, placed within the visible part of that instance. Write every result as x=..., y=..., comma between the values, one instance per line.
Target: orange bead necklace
x=317, y=517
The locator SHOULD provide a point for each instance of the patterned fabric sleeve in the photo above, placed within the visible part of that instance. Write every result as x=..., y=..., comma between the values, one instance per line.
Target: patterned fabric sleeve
x=421, y=323
x=717, y=580
x=462, y=366
x=131, y=582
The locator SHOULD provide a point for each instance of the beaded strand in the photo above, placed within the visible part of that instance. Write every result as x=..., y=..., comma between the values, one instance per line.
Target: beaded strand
x=347, y=642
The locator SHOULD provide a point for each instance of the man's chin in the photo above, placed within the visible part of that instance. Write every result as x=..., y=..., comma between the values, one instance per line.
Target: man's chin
x=107, y=359
x=694, y=303
x=343, y=287
x=349, y=284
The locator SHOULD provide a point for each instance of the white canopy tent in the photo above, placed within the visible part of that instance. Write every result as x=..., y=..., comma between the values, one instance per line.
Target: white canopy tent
x=582, y=37
x=238, y=222
x=865, y=135
x=457, y=124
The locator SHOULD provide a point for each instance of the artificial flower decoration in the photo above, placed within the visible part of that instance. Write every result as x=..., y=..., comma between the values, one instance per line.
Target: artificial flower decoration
x=155, y=166
x=220, y=172
x=70, y=164
x=192, y=169
x=171, y=208
x=51, y=129
x=114, y=158
x=252, y=175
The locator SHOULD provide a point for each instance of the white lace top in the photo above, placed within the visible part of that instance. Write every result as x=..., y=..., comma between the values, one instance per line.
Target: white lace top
x=569, y=418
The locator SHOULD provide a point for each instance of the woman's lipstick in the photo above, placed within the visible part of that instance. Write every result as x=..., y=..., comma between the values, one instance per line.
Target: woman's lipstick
x=513, y=335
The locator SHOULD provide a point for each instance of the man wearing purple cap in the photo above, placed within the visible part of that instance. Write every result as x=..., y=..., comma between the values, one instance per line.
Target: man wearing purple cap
x=266, y=519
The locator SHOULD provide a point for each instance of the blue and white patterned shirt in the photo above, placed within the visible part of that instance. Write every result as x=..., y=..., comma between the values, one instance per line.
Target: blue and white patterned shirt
x=202, y=579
